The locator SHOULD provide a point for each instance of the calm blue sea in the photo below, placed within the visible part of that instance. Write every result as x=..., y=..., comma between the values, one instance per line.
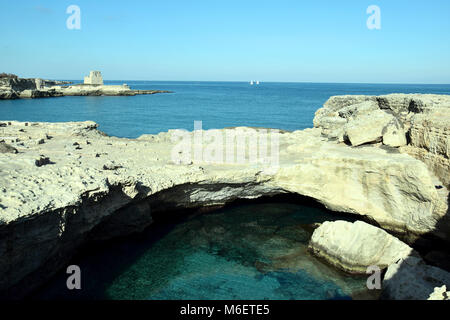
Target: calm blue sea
x=288, y=106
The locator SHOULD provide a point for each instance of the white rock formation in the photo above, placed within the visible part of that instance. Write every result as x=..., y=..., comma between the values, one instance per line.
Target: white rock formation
x=425, y=117
x=394, y=134
x=430, y=141
x=440, y=294
x=353, y=247
x=367, y=128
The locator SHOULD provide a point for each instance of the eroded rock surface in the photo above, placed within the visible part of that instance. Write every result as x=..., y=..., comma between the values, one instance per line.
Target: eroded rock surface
x=423, y=118
x=353, y=247
x=6, y=148
x=367, y=128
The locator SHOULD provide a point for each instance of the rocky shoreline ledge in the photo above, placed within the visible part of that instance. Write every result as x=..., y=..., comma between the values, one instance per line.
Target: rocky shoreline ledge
x=384, y=159
x=20, y=88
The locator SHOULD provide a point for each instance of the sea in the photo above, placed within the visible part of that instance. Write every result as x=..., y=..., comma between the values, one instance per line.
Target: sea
x=286, y=106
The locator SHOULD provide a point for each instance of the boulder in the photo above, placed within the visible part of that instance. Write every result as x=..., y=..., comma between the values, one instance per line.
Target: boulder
x=394, y=134
x=353, y=247
x=440, y=294
x=336, y=113
x=42, y=161
x=6, y=148
x=111, y=165
x=356, y=110
x=367, y=128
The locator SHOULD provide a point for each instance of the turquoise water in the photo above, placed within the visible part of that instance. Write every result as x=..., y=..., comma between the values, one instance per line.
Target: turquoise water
x=288, y=106
x=251, y=251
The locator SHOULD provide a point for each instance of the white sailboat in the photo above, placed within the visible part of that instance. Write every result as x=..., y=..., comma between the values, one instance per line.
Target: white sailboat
x=251, y=82
x=257, y=82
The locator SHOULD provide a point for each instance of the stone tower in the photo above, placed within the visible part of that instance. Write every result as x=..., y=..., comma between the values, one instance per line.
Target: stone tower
x=94, y=77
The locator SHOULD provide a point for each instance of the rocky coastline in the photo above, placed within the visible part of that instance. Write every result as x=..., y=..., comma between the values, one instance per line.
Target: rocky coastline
x=20, y=88
x=384, y=159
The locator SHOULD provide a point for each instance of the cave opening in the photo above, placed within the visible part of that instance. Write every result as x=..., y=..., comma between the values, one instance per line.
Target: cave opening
x=247, y=249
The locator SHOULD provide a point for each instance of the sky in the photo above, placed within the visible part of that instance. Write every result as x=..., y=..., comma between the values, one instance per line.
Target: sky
x=229, y=40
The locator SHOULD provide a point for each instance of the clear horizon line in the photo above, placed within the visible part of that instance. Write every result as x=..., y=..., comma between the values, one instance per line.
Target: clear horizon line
x=262, y=81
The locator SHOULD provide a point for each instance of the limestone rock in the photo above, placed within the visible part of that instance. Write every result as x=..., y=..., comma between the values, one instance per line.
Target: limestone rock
x=394, y=134
x=369, y=181
x=403, y=106
x=336, y=103
x=431, y=131
x=430, y=141
x=367, y=128
x=42, y=161
x=336, y=110
x=437, y=164
x=425, y=118
x=111, y=165
x=355, y=110
x=6, y=148
x=353, y=247
x=440, y=294
x=412, y=279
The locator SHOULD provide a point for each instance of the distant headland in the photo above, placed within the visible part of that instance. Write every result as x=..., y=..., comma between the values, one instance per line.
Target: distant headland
x=14, y=87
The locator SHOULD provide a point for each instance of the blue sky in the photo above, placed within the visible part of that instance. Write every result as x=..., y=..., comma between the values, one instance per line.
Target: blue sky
x=298, y=41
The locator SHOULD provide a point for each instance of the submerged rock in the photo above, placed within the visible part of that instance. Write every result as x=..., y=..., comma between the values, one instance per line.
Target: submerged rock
x=353, y=247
